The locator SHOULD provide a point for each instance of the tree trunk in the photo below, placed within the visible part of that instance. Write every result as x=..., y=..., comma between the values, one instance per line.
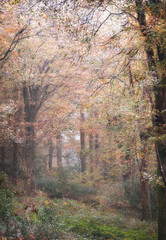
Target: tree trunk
x=96, y=149
x=159, y=118
x=82, y=142
x=31, y=96
x=91, y=152
x=161, y=156
x=30, y=161
x=50, y=154
x=144, y=187
x=2, y=151
x=127, y=170
x=59, y=149
x=15, y=163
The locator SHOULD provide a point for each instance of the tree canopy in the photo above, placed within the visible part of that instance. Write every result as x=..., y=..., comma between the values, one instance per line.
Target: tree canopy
x=83, y=86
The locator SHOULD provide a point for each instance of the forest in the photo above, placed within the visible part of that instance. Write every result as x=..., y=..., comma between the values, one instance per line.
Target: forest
x=83, y=119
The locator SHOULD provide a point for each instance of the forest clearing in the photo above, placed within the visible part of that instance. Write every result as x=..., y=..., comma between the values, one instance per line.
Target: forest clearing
x=83, y=119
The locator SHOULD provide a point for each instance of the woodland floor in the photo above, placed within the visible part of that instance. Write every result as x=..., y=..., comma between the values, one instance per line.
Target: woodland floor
x=43, y=218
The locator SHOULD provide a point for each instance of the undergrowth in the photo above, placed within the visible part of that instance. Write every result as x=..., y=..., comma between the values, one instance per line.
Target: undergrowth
x=42, y=218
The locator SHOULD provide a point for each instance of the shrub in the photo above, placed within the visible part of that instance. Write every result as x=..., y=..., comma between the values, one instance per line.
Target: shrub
x=63, y=186
x=78, y=190
x=6, y=211
x=47, y=225
x=49, y=185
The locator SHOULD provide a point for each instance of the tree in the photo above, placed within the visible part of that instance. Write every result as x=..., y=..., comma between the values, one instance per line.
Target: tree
x=71, y=88
x=59, y=149
x=50, y=155
x=156, y=64
x=154, y=46
x=82, y=142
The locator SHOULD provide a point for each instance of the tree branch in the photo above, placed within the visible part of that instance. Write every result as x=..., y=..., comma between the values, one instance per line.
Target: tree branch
x=14, y=43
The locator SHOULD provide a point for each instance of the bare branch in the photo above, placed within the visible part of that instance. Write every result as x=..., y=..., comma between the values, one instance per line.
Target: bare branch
x=14, y=43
